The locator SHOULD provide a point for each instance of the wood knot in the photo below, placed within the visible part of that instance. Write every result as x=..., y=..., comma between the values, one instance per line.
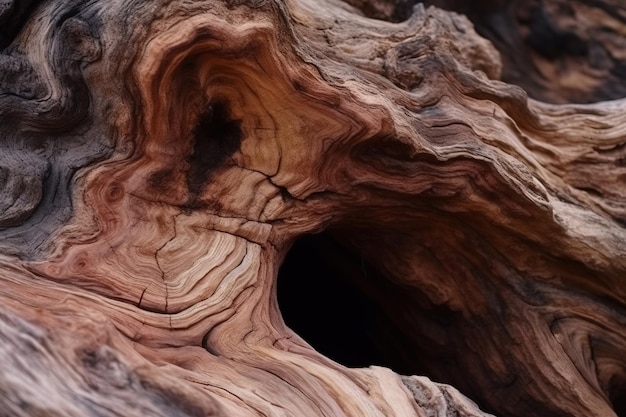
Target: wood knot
x=114, y=193
x=79, y=43
x=21, y=186
x=403, y=64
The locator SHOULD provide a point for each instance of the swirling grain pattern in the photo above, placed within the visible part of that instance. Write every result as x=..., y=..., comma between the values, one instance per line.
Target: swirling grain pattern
x=160, y=158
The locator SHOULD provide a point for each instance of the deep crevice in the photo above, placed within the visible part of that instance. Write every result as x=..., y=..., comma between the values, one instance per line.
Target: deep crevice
x=332, y=297
x=618, y=398
x=619, y=405
x=325, y=307
x=13, y=16
x=340, y=304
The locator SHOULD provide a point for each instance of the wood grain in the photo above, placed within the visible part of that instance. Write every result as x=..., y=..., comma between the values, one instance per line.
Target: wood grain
x=159, y=159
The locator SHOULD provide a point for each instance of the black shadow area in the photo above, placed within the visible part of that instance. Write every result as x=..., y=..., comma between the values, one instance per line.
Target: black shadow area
x=322, y=305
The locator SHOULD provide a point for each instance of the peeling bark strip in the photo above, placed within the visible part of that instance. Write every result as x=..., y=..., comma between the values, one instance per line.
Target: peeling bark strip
x=159, y=159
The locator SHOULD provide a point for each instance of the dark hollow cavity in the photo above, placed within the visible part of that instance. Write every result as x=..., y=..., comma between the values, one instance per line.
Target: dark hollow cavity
x=325, y=307
x=618, y=399
x=335, y=300
x=351, y=313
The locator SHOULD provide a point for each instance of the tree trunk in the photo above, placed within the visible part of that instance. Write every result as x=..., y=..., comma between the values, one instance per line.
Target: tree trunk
x=159, y=159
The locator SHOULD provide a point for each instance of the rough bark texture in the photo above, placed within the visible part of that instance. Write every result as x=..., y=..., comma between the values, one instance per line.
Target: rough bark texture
x=160, y=158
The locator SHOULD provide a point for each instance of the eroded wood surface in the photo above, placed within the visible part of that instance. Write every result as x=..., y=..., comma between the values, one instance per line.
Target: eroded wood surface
x=159, y=159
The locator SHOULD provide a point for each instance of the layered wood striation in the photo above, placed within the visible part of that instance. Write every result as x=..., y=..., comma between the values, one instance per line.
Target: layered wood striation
x=160, y=158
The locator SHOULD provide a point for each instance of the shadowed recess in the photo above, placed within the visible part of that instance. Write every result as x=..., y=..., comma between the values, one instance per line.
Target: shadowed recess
x=618, y=399
x=13, y=16
x=325, y=307
x=333, y=297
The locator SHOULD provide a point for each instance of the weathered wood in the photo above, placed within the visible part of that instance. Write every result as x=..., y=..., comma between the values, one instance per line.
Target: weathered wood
x=560, y=51
x=159, y=159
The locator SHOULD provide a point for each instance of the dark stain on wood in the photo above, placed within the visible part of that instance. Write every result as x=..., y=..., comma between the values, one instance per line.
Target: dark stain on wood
x=215, y=138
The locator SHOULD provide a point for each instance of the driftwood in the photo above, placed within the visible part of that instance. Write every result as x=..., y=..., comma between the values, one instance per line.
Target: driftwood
x=159, y=159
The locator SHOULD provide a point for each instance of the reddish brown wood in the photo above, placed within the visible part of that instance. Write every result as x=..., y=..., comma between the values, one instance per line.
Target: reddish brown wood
x=159, y=159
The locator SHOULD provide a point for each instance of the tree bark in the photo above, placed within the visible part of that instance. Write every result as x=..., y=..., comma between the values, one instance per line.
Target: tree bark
x=159, y=160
